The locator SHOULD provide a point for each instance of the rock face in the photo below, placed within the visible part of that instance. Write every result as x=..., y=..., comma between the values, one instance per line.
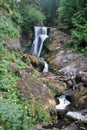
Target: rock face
x=13, y=45
x=65, y=61
x=77, y=116
x=69, y=67
x=34, y=60
x=34, y=89
x=70, y=127
x=57, y=87
x=78, y=98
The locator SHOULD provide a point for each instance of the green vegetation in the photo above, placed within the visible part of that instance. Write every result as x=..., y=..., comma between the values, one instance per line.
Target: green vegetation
x=49, y=8
x=72, y=16
x=31, y=17
x=7, y=29
x=15, y=113
x=65, y=14
x=31, y=14
x=55, y=129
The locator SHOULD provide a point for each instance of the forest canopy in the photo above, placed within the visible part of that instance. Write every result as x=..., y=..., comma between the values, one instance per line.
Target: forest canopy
x=68, y=15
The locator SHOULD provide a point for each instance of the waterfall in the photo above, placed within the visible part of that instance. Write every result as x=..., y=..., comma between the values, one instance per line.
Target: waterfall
x=45, y=67
x=40, y=36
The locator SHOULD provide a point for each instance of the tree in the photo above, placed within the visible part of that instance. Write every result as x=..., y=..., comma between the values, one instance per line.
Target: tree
x=72, y=14
x=31, y=14
x=66, y=11
x=49, y=8
x=31, y=17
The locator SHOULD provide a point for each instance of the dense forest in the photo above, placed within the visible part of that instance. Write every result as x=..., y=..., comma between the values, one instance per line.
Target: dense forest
x=67, y=15
x=63, y=14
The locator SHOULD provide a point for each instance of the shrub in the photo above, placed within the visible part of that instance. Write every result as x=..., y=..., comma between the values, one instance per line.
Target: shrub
x=31, y=17
x=80, y=31
x=15, y=113
x=17, y=18
x=7, y=28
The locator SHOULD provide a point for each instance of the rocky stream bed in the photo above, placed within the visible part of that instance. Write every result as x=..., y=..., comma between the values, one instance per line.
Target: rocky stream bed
x=63, y=90
x=68, y=84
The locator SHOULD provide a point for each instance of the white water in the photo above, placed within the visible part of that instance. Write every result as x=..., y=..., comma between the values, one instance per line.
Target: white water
x=40, y=36
x=45, y=67
x=63, y=103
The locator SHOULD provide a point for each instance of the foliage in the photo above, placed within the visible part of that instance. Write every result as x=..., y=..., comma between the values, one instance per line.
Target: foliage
x=49, y=8
x=83, y=50
x=34, y=3
x=15, y=113
x=55, y=129
x=65, y=11
x=17, y=18
x=75, y=47
x=7, y=28
x=31, y=14
x=72, y=14
x=80, y=27
x=31, y=17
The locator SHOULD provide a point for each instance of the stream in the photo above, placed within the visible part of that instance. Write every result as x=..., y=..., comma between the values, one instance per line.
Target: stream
x=40, y=36
x=78, y=118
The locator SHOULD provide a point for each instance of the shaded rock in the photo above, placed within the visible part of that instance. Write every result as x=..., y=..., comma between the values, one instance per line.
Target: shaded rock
x=57, y=87
x=35, y=90
x=40, y=127
x=81, y=77
x=34, y=60
x=78, y=98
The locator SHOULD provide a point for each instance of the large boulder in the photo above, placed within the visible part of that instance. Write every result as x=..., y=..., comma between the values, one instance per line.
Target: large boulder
x=36, y=62
x=78, y=98
x=33, y=89
x=57, y=87
x=13, y=45
x=61, y=59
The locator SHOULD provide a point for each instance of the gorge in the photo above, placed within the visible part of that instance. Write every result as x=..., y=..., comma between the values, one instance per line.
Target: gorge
x=63, y=100
x=43, y=65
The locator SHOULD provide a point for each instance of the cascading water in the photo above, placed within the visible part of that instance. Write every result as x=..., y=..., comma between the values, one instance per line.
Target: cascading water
x=45, y=67
x=40, y=36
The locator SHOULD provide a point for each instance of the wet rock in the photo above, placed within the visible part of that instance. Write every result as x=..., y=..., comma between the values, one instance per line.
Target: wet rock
x=77, y=116
x=64, y=60
x=32, y=88
x=57, y=87
x=40, y=127
x=81, y=77
x=78, y=98
x=70, y=127
x=34, y=60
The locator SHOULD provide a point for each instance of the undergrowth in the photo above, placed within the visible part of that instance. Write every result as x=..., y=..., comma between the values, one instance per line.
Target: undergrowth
x=7, y=28
x=76, y=47
x=15, y=113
